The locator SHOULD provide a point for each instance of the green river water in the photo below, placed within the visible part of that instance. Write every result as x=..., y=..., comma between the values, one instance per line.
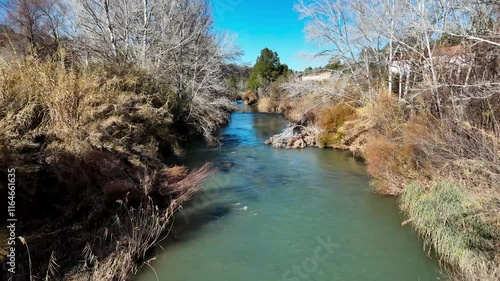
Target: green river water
x=272, y=214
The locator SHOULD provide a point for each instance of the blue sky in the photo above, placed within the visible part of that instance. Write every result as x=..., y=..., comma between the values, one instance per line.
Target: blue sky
x=267, y=23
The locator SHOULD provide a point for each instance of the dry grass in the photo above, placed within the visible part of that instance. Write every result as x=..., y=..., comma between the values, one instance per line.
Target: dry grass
x=383, y=112
x=273, y=99
x=456, y=225
x=249, y=98
x=265, y=105
x=47, y=104
x=447, y=173
x=86, y=139
x=109, y=216
x=142, y=228
x=387, y=163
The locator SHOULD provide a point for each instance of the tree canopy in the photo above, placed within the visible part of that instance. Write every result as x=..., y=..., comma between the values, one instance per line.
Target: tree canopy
x=266, y=69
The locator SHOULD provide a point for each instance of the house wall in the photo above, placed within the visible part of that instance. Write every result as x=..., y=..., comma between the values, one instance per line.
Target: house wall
x=317, y=77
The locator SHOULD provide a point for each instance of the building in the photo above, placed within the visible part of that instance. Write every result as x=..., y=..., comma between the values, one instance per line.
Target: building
x=319, y=76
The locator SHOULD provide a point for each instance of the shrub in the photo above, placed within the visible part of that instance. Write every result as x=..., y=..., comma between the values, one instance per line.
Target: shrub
x=386, y=164
x=326, y=139
x=265, y=105
x=332, y=118
x=249, y=98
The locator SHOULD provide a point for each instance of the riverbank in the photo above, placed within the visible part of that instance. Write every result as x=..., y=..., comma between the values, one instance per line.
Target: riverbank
x=91, y=108
x=445, y=173
x=88, y=145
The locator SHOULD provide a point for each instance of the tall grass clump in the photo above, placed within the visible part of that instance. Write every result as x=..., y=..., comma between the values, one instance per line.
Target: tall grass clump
x=455, y=226
x=140, y=228
x=46, y=105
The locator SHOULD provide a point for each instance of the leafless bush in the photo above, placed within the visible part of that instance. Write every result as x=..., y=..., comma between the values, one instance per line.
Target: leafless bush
x=472, y=159
x=140, y=229
x=41, y=24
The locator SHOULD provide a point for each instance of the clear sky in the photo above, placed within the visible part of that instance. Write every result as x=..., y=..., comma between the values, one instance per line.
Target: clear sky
x=267, y=23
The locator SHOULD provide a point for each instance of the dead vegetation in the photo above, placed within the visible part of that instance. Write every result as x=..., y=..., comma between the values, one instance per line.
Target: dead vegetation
x=249, y=98
x=46, y=105
x=141, y=227
x=446, y=172
x=83, y=140
x=88, y=117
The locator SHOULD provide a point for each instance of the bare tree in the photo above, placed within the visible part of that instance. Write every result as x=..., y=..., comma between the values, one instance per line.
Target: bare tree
x=97, y=20
x=405, y=37
x=41, y=22
x=173, y=39
x=361, y=33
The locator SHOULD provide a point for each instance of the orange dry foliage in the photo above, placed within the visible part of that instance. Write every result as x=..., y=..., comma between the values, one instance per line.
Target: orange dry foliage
x=392, y=156
x=332, y=118
x=384, y=163
x=249, y=98
x=265, y=105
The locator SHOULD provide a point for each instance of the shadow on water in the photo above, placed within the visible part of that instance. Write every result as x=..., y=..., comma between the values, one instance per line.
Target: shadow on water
x=187, y=226
x=198, y=212
x=224, y=192
x=267, y=124
x=209, y=206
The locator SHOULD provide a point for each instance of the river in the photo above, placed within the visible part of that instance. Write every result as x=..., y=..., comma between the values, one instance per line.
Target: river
x=273, y=214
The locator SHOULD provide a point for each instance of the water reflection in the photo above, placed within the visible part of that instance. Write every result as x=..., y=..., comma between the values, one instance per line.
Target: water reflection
x=266, y=125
